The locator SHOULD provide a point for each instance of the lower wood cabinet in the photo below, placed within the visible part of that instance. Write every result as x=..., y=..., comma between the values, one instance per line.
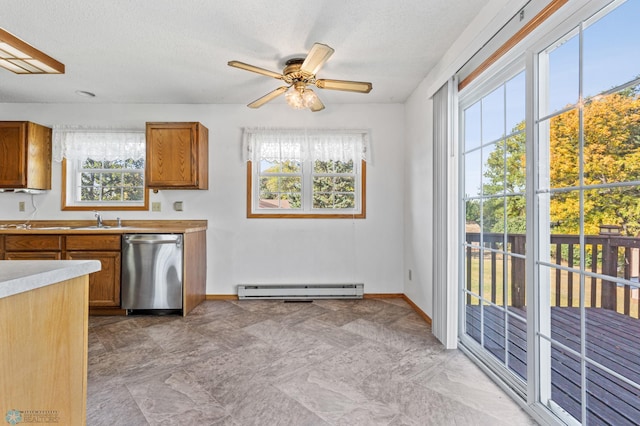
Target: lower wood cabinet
x=104, y=285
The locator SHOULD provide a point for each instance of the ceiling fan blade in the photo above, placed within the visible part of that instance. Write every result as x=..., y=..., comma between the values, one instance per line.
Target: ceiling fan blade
x=269, y=96
x=317, y=104
x=317, y=56
x=345, y=85
x=255, y=69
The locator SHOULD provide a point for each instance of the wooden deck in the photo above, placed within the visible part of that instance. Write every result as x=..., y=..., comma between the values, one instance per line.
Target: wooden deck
x=613, y=340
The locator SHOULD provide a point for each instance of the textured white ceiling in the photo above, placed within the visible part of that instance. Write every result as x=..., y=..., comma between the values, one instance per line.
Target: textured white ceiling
x=176, y=51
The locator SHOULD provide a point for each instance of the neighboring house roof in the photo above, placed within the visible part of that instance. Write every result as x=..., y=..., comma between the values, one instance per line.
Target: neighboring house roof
x=273, y=204
x=472, y=227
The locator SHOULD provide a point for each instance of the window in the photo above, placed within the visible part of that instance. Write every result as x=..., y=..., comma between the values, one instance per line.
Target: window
x=102, y=169
x=305, y=174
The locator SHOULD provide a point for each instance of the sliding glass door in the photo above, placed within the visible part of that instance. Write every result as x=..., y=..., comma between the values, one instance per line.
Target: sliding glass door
x=494, y=292
x=588, y=198
x=563, y=294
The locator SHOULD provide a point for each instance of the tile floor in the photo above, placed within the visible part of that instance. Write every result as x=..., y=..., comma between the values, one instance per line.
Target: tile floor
x=331, y=362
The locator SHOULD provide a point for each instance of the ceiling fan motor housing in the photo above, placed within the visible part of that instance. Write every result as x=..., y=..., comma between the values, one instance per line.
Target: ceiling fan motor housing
x=292, y=74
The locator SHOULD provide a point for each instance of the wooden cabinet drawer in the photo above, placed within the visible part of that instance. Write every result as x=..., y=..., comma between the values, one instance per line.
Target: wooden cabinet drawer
x=93, y=242
x=32, y=255
x=32, y=242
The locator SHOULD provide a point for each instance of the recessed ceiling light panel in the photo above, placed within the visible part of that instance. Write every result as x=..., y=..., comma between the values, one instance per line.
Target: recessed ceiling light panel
x=21, y=58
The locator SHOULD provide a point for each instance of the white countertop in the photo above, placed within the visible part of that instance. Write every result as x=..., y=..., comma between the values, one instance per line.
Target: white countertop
x=19, y=276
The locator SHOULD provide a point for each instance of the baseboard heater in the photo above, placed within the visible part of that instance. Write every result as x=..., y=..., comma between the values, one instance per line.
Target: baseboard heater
x=300, y=291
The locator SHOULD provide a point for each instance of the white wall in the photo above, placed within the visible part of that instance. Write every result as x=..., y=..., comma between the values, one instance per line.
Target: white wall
x=418, y=247
x=241, y=250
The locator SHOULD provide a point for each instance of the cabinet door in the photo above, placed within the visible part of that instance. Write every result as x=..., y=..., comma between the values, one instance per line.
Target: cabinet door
x=177, y=156
x=39, y=150
x=13, y=151
x=104, y=285
x=25, y=155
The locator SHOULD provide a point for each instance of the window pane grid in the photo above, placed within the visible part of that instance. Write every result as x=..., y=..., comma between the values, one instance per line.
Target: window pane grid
x=110, y=182
x=494, y=197
x=590, y=265
x=333, y=190
x=280, y=185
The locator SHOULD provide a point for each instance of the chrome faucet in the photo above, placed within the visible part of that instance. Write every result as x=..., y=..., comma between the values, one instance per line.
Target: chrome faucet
x=99, y=223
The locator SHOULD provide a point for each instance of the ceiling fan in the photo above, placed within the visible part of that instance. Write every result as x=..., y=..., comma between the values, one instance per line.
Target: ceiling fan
x=299, y=73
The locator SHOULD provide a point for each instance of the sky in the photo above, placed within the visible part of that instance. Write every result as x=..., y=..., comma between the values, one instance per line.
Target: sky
x=611, y=57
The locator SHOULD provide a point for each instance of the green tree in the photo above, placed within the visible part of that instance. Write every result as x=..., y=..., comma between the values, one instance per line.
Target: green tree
x=330, y=190
x=472, y=211
x=505, y=174
x=112, y=180
x=284, y=184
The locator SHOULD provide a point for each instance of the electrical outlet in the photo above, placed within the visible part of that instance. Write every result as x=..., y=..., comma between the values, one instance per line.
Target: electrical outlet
x=156, y=206
x=410, y=274
x=21, y=206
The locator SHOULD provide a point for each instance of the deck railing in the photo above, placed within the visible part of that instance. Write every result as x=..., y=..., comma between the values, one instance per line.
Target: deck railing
x=610, y=255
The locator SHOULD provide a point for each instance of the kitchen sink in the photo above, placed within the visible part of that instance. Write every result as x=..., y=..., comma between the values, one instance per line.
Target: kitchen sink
x=92, y=227
x=81, y=228
x=51, y=228
x=97, y=228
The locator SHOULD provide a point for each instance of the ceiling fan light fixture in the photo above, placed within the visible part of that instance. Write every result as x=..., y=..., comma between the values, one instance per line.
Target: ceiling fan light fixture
x=300, y=98
x=309, y=97
x=21, y=58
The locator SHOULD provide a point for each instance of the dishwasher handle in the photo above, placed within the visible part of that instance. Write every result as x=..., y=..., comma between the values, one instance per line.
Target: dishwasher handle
x=153, y=239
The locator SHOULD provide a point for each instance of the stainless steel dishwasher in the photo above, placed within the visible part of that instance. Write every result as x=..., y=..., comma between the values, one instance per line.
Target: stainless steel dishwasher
x=152, y=271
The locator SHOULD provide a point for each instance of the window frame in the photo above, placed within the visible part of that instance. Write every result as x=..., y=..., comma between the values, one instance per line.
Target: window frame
x=307, y=196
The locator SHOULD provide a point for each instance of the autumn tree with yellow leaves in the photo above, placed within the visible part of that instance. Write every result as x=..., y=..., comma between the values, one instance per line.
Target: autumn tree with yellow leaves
x=611, y=153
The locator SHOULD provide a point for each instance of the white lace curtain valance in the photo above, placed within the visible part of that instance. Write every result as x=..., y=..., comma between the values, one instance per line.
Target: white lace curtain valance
x=302, y=145
x=107, y=144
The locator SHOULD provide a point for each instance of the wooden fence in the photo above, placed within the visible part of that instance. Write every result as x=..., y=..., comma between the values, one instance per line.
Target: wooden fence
x=611, y=255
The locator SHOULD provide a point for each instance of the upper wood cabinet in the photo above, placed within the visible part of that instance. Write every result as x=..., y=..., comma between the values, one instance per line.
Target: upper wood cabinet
x=25, y=155
x=177, y=156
